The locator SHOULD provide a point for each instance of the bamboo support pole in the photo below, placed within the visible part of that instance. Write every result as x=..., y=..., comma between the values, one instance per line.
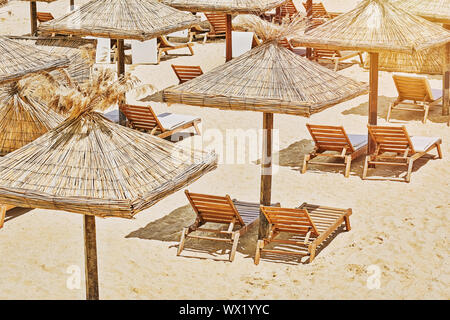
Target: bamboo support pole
x=309, y=16
x=33, y=17
x=266, y=171
x=121, y=72
x=373, y=95
x=229, y=40
x=90, y=254
x=446, y=80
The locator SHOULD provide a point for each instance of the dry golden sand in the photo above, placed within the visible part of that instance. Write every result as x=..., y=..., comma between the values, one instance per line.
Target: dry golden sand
x=400, y=228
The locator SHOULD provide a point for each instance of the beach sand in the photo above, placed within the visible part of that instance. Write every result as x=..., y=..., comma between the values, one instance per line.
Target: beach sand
x=400, y=229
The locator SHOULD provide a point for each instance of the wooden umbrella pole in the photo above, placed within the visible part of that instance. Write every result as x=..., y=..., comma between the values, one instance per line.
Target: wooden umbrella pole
x=121, y=72
x=33, y=17
x=90, y=255
x=446, y=80
x=266, y=172
x=373, y=95
x=72, y=5
x=229, y=40
x=309, y=16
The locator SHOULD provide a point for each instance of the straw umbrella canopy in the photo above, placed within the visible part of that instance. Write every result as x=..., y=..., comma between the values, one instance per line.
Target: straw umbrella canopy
x=121, y=19
x=436, y=11
x=3, y=3
x=375, y=26
x=18, y=60
x=228, y=7
x=268, y=79
x=92, y=166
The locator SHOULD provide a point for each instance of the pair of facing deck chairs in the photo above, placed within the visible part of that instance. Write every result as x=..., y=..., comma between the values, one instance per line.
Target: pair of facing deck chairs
x=310, y=224
x=393, y=146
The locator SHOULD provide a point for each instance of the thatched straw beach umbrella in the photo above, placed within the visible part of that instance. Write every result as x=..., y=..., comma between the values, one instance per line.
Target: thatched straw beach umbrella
x=121, y=19
x=228, y=7
x=436, y=11
x=268, y=79
x=92, y=166
x=375, y=26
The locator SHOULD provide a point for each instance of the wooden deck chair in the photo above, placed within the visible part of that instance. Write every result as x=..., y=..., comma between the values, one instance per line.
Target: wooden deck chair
x=288, y=9
x=414, y=94
x=218, y=23
x=186, y=73
x=44, y=16
x=335, y=56
x=335, y=139
x=165, y=45
x=394, y=146
x=319, y=11
x=163, y=125
x=285, y=43
x=3, y=209
x=198, y=31
x=237, y=215
x=312, y=224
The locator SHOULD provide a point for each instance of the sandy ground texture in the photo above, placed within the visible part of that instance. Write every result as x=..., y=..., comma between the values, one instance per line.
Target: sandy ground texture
x=397, y=248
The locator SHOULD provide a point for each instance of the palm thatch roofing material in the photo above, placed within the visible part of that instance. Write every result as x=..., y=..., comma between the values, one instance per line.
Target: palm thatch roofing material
x=433, y=10
x=80, y=52
x=121, y=19
x=269, y=78
x=428, y=61
x=375, y=26
x=225, y=6
x=3, y=3
x=18, y=60
x=90, y=165
x=22, y=118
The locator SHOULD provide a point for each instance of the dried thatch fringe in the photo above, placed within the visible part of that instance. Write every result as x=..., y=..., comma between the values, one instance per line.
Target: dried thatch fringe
x=269, y=78
x=121, y=19
x=3, y=3
x=423, y=62
x=18, y=60
x=90, y=165
x=225, y=6
x=375, y=26
x=433, y=10
x=80, y=52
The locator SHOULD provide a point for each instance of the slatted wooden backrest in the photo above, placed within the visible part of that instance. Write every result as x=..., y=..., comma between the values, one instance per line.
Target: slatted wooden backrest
x=330, y=137
x=413, y=88
x=288, y=9
x=142, y=117
x=44, y=16
x=285, y=43
x=214, y=208
x=289, y=220
x=186, y=73
x=326, y=53
x=218, y=22
x=318, y=10
x=391, y=139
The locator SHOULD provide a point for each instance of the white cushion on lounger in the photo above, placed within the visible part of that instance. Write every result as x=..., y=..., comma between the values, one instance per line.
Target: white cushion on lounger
x=437, y=93
x=421, y=144
x=358, y=140
x=171, y=121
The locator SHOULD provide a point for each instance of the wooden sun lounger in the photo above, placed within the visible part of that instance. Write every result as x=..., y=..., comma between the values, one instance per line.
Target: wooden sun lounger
x=335, y=56
x=312, y=223
x=334, y=138
x=319, y=11
x=44, y=16
x=414, y=94
x=3, y=209
x=198, y=31
x=237, y=215
x=163, y=125
x=394, y=146
x=186, y=73
x=299, y=51
x=218, y=23
x=165, y=45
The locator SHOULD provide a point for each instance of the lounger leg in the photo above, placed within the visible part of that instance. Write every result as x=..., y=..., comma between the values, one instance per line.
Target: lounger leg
x=348, y=162
x=2, y=215
x=388, y=117
x=347, y=223
x=191, y=50
x=235, y=244
x=361, y=58
x=312, y=253
x=197, y=130
x=439, y=151
x=366, y=166
x=336, y=64
x=305, y=162
x=425, y=116
x=259, y=246
x=410, y=166
x=182, y=240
